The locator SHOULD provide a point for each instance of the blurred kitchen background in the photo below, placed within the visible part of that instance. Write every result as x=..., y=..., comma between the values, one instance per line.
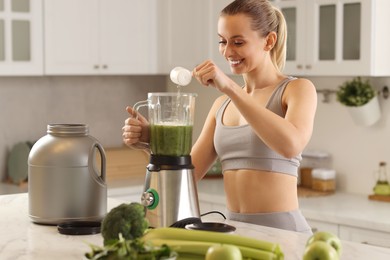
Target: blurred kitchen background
x=70, y=61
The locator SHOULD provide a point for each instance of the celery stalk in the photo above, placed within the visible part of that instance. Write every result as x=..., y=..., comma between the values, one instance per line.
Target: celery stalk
x=200, y=248
x=209, y=236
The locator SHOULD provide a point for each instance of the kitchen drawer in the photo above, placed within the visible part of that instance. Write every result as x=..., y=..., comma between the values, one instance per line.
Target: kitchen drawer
x=124, y=163
x=323, y=226
x=364, y=236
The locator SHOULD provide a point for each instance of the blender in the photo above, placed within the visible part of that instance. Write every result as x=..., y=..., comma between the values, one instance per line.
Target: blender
x=170, y=194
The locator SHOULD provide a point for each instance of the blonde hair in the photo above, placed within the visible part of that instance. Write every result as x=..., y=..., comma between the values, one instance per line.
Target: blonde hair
x=265, y=19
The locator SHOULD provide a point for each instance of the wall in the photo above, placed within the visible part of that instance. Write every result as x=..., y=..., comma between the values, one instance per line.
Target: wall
x=355, y=150
x=29, y=104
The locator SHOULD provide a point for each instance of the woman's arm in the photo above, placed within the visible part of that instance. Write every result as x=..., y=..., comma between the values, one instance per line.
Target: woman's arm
x=288, y=136
x=203, y=152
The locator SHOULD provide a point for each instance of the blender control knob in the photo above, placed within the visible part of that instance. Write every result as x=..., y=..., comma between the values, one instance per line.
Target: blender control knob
x=147, y=199
x=150, y=199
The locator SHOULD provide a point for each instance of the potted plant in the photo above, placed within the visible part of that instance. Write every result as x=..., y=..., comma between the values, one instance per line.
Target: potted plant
x=361, y=99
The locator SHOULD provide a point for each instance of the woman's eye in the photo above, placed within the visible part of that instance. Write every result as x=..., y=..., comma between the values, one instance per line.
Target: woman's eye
x=236, y=43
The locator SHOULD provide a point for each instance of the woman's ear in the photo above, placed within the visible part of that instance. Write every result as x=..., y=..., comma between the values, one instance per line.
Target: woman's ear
x=270, y=41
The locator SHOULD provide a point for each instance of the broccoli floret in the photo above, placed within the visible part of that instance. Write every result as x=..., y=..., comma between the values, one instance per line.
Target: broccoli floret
x=127, y=219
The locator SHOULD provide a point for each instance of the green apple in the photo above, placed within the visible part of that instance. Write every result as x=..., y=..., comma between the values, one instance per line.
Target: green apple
x=382, y=189
x=327, y=237
x=320, y=250
x=223, y=252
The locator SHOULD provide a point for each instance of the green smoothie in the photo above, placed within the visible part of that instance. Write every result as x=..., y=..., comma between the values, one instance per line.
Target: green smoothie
x=171, y=140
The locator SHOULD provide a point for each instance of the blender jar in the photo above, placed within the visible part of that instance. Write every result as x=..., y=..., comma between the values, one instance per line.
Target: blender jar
x=171, y=118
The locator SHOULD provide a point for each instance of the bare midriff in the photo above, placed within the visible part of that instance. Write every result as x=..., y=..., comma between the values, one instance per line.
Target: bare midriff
x=252, y=191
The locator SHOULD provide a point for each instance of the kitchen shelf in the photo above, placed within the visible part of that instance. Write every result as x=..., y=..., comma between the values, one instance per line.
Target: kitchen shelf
x=379, y=197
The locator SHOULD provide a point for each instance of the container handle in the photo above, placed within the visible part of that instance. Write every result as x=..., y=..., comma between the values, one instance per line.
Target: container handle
x=136, y=107
x=102, y=160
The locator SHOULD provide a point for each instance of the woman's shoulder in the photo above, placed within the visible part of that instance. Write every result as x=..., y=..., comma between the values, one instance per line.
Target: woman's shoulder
x=218, y=102
x=300, y=88
x=301, y=82
x=297, y=85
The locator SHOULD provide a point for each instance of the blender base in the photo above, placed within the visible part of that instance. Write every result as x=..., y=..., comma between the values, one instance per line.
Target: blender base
x=170, y=197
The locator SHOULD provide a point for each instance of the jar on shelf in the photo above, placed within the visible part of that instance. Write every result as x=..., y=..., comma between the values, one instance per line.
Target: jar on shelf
x=382, y=186
x=312, y=160
x=382, y=173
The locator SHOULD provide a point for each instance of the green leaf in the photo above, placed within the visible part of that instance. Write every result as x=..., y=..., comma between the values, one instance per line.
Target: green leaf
x=128, y=250
x=355, y=92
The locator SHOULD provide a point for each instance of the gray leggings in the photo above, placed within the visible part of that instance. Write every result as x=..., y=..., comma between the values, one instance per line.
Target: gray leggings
x=289, y=220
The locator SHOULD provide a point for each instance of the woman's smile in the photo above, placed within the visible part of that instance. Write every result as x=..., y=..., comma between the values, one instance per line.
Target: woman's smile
x=235, y=63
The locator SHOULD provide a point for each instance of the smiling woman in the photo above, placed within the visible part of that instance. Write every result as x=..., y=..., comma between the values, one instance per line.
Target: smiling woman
x=261, y=128
x=258, y=130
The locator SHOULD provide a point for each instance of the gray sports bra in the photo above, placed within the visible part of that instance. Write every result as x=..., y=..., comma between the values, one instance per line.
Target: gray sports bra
x=238, y=147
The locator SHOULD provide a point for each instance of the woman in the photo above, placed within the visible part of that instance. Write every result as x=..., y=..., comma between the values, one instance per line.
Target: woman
x=258, y=130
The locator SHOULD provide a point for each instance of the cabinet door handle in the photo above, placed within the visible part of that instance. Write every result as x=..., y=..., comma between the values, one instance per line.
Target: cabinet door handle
x=299, y=66
x=105, y=66
x=308, y=67
x=96, y=67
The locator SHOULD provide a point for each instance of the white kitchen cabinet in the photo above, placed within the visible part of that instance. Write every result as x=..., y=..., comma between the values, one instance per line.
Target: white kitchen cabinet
x=337, y=37
x=100, y=37
x=364, y=236
x=354, y=234
x=295, y=15
x=183, y=33
x=21, y=37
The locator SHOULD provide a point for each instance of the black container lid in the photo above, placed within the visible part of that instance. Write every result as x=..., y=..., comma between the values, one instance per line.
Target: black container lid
x=162, y=162
x=79, y=228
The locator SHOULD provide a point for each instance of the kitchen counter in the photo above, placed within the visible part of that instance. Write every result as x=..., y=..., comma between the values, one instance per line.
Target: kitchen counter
x=348, y=209
x=22, y=239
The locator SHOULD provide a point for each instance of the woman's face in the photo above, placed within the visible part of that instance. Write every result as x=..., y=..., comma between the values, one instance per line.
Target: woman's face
x=242, y=47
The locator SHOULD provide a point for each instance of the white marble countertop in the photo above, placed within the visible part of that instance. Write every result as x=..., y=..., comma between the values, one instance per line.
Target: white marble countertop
x=348, y=209
x=21, y=239
x=338, y=208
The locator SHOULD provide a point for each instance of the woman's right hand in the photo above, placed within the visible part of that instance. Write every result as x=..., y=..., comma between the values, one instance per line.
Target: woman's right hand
x=136, y=128
x=209, y=74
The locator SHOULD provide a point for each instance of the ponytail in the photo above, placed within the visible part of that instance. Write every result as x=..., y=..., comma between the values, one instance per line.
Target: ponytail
x=278, y=52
